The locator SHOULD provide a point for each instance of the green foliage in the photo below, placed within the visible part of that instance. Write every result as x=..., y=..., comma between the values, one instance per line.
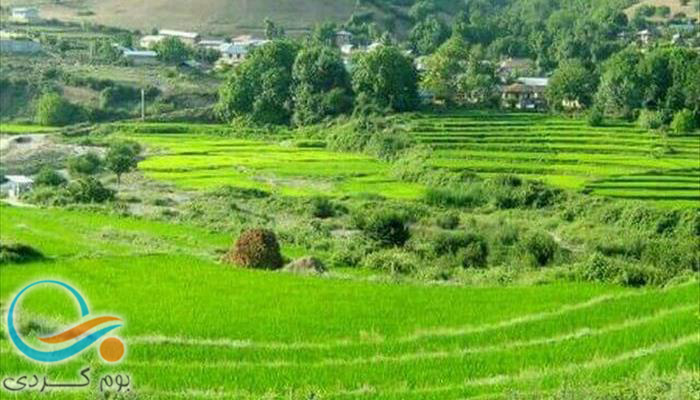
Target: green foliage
x=387, y=78
x=595, y=117
x=448, y=220
x=17, y=253
x=47, y=176
x=387, y=228
x=571, y=83
x=650, y=120
x=683, y=122
x=468, y=249
x=541, y=247
x=89, y=190
x=393, y=261
x=54, y=110
x=85, y=164
x=258, y=249
x=121, y=158
x=272, y=31
x=471, y=194
x=261, y=87
x=172, y=50
x=322, y=85
x=428, y=34
x=322, y=207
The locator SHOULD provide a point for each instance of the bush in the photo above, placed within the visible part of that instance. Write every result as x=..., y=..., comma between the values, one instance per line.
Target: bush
x=18, y=253
x=467, y=195
x=683, y=122
x=47, y=176
x=256, y=248
x=386, y=228
x=86, y=164
x=89, y=190
x=448, y=220
x=649, y=119
x=541, y=247
x=322, y=208
x=471, y=250
x=595, y=118
x=394, y=261
x=598, y=268
x=54, y=110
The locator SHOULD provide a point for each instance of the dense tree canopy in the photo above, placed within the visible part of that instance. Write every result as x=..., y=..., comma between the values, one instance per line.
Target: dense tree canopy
x=171, y=50
x=572, y=85
x=388, y=78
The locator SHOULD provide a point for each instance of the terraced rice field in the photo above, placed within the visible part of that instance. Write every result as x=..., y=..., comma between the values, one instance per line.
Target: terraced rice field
x=197, y=329
x=620, y=160
x=16, y=129
x=205, y=161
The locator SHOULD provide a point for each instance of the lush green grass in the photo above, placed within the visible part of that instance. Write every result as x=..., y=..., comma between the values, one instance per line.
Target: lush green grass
x=199, y=329
x=204, y=160
x=12, y=129
x=566, y=153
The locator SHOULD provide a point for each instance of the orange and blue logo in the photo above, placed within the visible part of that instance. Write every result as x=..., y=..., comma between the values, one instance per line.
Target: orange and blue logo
x=73, y=340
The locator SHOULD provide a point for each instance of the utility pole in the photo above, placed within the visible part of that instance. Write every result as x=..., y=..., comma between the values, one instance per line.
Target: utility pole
x=143, y=104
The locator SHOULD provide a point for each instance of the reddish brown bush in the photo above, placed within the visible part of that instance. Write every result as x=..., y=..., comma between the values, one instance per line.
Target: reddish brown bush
x=256, y=248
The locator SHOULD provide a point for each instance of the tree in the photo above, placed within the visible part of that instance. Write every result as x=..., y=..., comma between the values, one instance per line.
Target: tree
x=422, y=9
x=322, y=85
x=171, y=50
x=683, y=122
x=324, y=33
x=388, y=78
x=427, y=35
x=54, y=110
x=448, y=62
x=261, y=87
x=272, y=31
x=121, y=158
x=85, y=164
x=621, y=89
x=571, y=83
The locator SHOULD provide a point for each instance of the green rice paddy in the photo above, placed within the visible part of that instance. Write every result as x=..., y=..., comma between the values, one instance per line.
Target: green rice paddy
x=196, y=328
x=16, y=129
x=619, y=160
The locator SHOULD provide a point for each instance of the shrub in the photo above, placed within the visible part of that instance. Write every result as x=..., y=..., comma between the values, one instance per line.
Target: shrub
x=86, y=164
x=387, y=228
x=598, y=268
x=595, y=117
x=47, y=176
x=468, y=195
x=683, y=122
x=18, y=253
x=475, y=254
x=256, y=248
x=394, y=261
x=471, y=250
x=89, y=190
x=649, y=119
x=541, y=247
x=448, y=220
x=54, y=110
x=322, y=208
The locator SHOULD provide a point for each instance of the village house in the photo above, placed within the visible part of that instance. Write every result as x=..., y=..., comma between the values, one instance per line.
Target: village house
x=343, y=38
x=644, y=37
x=190, y=38
x=17, y=185
x=141, y=57
x=25, y=15
x=525, y=94
x=16, y=43
x=211, y=44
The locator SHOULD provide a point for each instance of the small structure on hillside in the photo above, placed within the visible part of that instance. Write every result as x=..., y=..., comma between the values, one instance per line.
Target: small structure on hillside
x=525, y=94
x=18, y=185
x=141, y=57
x=17, y=43
x=211, y=44
x=25, y=15
x=343, y=38
x=645, y=36
x=235, y=52
x=190, y=38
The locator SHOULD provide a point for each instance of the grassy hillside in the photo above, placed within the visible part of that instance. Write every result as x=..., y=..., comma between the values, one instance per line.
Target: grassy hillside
x=207, y=16
x=199, y=329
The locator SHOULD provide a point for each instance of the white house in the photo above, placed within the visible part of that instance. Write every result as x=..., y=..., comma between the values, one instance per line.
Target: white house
x=236, y=52
x=211, y=44
x=343, y=38
x=141, y=57
x=526, y=94
x=17, y=185
x=186, y=37
x=25, y=15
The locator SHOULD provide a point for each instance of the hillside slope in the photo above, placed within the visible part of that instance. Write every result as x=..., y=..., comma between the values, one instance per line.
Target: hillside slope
x=207, y=16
